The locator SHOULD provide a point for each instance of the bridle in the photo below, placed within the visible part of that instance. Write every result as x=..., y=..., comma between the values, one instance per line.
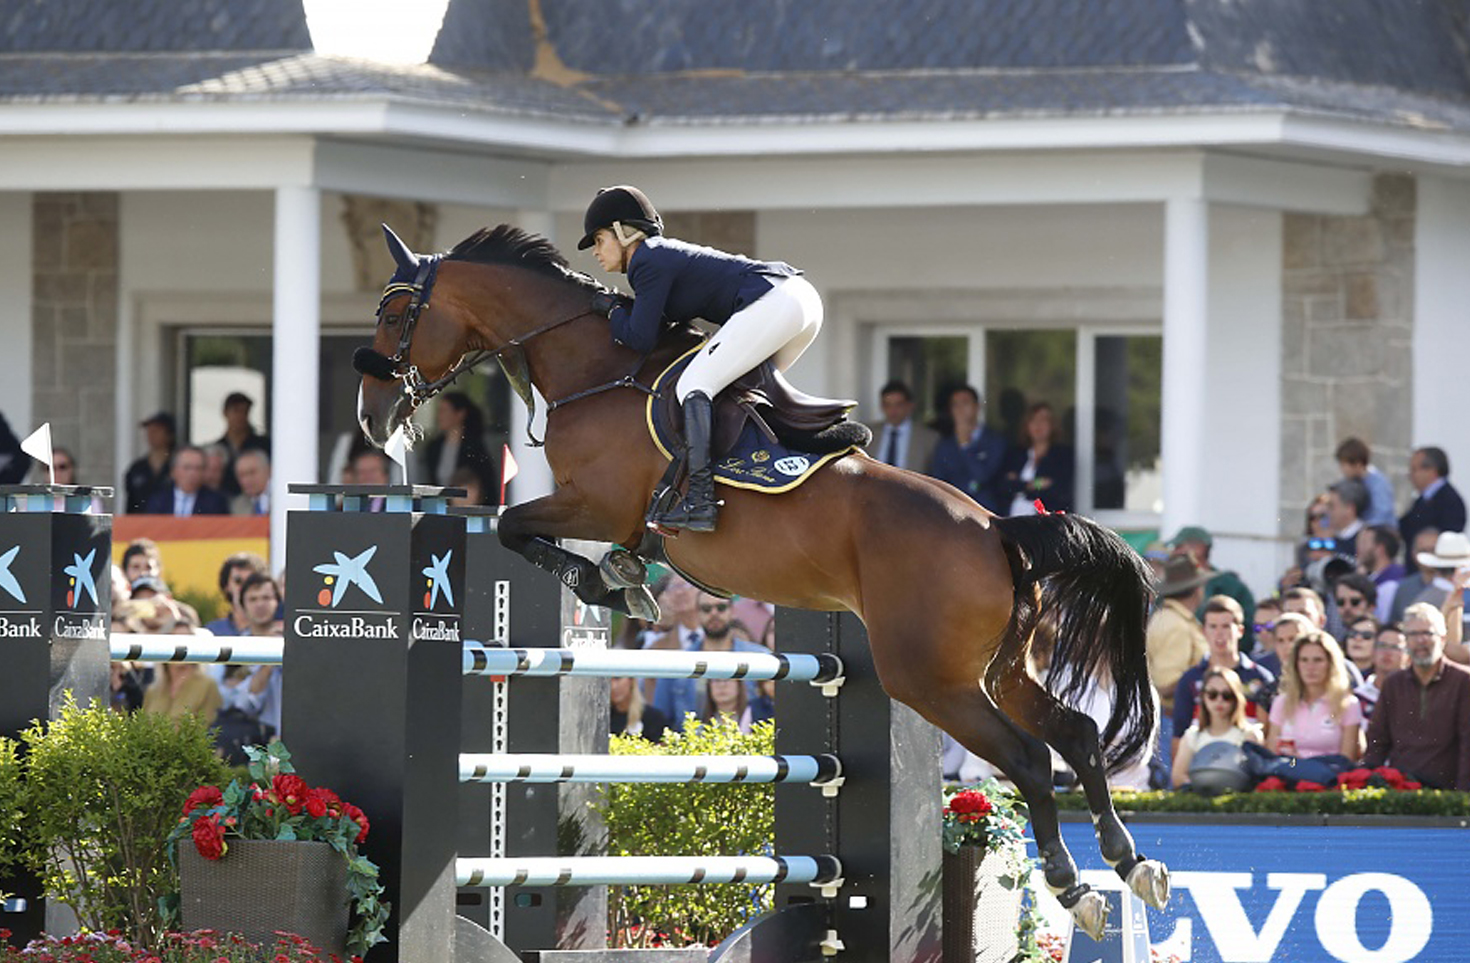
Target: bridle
x=511, y=355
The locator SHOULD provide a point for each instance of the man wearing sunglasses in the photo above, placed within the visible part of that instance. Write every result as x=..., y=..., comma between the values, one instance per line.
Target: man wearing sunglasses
x=675, y=697
x=1353, y=597
x=1224, y=627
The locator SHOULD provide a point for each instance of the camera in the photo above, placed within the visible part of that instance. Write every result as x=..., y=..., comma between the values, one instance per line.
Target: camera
x=1324, y=571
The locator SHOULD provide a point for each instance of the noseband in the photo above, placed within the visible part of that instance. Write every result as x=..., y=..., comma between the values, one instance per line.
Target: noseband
x=418, y=390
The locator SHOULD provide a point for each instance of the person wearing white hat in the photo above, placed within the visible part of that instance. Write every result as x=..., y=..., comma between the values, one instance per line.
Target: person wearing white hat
x=1451, y=553
x=1448, y=571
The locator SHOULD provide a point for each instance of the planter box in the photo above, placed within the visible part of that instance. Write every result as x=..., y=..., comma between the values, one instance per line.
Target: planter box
x=261, y=886
x=980, y=915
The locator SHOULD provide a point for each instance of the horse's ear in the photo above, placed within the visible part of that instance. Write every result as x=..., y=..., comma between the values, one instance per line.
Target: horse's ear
x=400, y=251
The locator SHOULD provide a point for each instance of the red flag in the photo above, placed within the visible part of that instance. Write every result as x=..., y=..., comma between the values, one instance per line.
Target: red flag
x=508, y=469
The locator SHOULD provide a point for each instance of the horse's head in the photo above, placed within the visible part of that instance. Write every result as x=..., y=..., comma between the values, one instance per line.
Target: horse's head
x=418, y=348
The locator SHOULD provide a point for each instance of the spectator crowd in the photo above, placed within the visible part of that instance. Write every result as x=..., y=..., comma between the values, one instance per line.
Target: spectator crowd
x=242, y=702
x=1358, y=659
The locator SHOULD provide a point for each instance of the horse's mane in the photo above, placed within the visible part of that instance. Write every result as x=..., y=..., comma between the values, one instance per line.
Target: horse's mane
x=508, y=244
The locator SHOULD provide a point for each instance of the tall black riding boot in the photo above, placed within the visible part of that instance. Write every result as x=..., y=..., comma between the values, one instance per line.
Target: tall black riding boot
x=698, y=509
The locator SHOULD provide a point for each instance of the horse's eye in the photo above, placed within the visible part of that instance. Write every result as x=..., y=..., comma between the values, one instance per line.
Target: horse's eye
x=389, y=320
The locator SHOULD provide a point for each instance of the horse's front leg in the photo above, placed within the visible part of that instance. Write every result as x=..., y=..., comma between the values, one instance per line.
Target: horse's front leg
x=529, y=530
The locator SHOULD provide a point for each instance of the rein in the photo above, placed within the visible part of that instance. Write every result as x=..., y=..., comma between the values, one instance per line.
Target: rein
x=511, y=355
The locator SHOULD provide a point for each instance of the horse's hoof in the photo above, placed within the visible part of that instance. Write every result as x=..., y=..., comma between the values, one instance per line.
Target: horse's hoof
x=1090, y=914
x=620, y=568
x=1149, y=881
x=641, y=603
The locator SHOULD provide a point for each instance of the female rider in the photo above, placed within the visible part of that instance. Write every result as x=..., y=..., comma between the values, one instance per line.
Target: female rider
x=765, y=309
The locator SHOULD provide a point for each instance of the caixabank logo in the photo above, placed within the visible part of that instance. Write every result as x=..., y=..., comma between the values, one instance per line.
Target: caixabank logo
x=77, y=604
x=345, y=588
x=437, y=620
x=20, y=618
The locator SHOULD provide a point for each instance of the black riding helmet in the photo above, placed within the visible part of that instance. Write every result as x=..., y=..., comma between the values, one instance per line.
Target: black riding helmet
x=622, y=203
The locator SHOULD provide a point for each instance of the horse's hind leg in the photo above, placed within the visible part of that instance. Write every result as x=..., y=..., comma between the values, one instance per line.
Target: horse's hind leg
x=979, y=725
x=1074, y=734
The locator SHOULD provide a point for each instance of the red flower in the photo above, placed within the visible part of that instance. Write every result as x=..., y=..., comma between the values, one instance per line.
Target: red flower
x=206, y=796
x=4, y=933
x=1391, y=774
x=1410, y=785
x=209, y=837
x=1271, y=784
x=1306, y=785
x=320, y=801
x=357, y=816
x=291, y=790
x=970, y=802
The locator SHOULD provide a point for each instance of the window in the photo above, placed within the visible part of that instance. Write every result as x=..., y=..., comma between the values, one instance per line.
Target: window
x=1103, y=384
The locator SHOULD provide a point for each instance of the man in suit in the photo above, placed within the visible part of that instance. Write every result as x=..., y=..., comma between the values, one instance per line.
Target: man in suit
x=253, y=472
x=898, y=440
x=969, y=458
x=1438, y=505
x=186, y=494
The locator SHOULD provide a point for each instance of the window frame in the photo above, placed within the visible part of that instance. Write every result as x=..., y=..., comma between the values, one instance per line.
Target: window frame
x=1091, y=313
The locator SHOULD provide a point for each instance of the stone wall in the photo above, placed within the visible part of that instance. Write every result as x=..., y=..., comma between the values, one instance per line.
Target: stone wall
x=74, y=317
x=1347, y=316
x=732, y=231
x=362, y=220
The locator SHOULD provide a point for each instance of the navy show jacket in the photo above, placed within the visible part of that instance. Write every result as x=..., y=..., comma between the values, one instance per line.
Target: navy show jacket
x=678, y=282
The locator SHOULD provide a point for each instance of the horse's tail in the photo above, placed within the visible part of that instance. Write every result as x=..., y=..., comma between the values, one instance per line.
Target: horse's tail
x=1094, y=589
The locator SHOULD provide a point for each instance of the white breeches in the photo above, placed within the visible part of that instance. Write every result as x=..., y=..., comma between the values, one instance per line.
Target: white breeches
x=779, y=325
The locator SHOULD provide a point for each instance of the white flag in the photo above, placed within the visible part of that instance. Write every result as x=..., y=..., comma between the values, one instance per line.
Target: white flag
x=38, y=446
x=396, y=448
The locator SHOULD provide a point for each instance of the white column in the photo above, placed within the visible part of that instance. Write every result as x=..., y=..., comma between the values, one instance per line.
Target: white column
x=295, y=354
x=1186, y=314
x=535, y=477
x=18, y=387
x=1441, y=332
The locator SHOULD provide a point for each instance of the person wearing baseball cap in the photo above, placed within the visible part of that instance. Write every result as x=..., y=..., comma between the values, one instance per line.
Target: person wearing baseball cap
x=1196, y=542
x=151, y=472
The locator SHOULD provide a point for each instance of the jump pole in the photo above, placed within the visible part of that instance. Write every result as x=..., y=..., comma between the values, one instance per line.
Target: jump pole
x=55, y=605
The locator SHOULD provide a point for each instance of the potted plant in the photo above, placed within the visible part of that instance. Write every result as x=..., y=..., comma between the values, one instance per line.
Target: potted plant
x=276, y=854
x=987, y=875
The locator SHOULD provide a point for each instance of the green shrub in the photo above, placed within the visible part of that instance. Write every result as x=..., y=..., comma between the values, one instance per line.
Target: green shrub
x=1353, y=802
x=101, y=792
x=689, y=820
x=11, y=813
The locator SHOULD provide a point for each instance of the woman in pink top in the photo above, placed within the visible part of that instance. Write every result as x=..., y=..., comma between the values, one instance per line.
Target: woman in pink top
x=1316, y=713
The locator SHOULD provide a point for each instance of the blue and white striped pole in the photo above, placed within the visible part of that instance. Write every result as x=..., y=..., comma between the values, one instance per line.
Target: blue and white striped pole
x=646, y=870
x=237, y=649
x=651, y=664
x=553, y=768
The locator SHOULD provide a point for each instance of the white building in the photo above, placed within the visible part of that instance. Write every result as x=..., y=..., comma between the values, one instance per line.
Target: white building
x=1237, y=230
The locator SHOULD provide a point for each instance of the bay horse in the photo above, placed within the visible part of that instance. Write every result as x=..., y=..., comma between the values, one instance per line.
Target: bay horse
x=950, y=594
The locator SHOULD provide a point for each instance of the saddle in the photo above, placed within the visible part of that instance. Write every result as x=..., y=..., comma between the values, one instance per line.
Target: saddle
x=780, y=411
